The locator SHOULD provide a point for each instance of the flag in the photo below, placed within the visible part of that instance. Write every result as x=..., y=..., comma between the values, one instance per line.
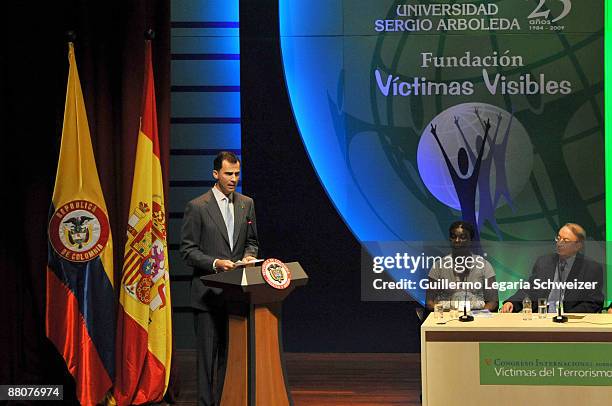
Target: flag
x=144, y=325
x=80, y=311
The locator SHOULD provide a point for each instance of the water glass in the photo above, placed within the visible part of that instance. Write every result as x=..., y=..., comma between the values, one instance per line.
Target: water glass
x=527, y=308
x=542, y=308
x=527, y=315
x=438, y=310
x=454, y=309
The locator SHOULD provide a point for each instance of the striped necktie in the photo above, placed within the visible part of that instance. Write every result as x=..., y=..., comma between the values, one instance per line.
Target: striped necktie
x=555, y=293
x=229, y=221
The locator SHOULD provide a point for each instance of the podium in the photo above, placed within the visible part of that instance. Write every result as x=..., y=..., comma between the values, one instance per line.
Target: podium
x=255, y=373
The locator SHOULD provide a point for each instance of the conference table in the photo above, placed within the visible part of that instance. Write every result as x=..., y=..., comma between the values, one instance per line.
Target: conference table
x=502, y=359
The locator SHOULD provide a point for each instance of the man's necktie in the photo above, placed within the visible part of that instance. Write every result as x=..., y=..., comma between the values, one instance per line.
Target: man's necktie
x=555, y=293
x=229, y=222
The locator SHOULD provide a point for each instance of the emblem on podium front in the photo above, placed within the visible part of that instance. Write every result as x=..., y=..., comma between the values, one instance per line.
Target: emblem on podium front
x=276, y=273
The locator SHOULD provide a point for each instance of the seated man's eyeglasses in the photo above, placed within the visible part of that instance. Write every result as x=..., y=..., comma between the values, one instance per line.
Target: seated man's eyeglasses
x=564, y=240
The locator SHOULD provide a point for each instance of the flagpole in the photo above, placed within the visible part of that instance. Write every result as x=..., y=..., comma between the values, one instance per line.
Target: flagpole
x=71, y=36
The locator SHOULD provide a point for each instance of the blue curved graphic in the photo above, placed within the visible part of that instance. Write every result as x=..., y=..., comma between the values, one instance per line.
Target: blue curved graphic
x=373, y=150
x=313, y=52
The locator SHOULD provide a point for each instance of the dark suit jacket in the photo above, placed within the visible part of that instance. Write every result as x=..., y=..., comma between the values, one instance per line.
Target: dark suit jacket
x=204, y=238
x=574, y=301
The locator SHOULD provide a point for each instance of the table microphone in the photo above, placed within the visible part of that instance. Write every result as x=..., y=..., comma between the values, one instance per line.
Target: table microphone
x=465, y=317
x=559, y=318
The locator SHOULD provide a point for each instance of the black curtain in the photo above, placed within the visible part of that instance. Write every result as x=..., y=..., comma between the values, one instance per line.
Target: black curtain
x=109, y=48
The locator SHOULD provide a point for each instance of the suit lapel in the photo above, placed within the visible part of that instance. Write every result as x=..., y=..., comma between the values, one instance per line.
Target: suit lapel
x=552, y=269
x=215, y=213
x=239, y=216
x=575, y=271
x=548, y=272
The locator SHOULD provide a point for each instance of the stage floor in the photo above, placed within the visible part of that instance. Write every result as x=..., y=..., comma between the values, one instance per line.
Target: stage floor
x=333, y=379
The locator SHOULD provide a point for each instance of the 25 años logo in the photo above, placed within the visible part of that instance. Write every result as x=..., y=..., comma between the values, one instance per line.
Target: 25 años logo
x=541, y=15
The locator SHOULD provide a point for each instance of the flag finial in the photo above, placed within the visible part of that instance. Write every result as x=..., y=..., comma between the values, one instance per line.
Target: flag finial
x=70, y=35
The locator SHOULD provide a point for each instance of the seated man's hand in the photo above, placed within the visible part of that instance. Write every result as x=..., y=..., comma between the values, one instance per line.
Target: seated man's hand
x=224, y=265
x=507, y=307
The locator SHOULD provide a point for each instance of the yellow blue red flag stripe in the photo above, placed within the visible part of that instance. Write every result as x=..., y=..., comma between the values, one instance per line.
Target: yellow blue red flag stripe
x=80, y=311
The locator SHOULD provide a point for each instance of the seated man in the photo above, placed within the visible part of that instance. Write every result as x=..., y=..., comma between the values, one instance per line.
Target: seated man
x=462, y=265
x=567, y=264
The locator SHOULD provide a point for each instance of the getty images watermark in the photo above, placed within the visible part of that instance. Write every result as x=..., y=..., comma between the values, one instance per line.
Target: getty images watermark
x=405, y=271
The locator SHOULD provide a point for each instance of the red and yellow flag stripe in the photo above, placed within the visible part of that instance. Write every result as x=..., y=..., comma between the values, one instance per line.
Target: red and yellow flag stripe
x=144, y=332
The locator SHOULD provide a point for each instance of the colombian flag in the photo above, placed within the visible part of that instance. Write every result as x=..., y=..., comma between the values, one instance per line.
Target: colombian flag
x=144, y=325
x=80, y=312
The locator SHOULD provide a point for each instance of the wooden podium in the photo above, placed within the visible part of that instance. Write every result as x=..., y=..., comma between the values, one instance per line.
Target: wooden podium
x=255, y=372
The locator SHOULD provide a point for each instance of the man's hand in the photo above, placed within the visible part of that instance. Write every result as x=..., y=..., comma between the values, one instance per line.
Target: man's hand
x=507, y=307
x=224, y=265
x=248, y=258
x=610, y=310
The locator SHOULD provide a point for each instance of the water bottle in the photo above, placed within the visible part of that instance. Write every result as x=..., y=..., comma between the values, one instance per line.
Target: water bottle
x=526, y=308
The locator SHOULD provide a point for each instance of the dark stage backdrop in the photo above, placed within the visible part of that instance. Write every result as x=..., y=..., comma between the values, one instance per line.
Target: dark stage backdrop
x=295, y=217
x=33, y=72
x=296, y=220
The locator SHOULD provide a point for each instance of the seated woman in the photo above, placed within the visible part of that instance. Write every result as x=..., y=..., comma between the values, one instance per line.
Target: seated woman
x=470, y=274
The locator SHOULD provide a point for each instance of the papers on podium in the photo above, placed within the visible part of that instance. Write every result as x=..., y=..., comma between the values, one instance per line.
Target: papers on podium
x=244, y=263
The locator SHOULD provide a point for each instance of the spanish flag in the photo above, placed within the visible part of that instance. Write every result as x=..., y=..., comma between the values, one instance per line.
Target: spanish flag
x=144, y=325
x=80, y=311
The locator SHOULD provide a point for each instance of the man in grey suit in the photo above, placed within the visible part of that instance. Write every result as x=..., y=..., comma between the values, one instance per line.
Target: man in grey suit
x=218, y=230
x=567, y=264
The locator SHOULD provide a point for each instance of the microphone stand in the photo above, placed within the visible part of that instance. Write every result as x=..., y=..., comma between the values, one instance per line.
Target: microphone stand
x=559, y=318
x=465, y=317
